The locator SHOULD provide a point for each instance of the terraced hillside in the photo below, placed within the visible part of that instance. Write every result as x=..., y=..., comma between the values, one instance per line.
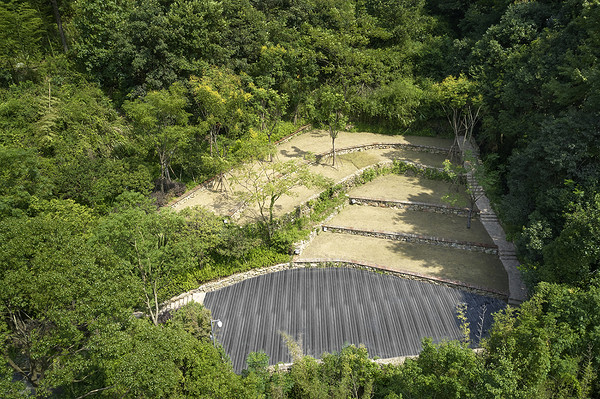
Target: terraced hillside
x=407, y=226
x=223, y=202
x=395, y=223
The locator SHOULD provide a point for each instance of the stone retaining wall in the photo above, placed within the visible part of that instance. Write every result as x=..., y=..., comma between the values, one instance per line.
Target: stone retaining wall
x=489, y=249
x=366, y=147
x=180, y=300
x=187, y=297
x=353, y=179
x=346, y=183
x=413, y=206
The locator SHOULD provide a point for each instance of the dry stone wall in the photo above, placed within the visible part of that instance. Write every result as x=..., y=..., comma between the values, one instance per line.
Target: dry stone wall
x=417, y=239
x=413, y=206
x=397, y=146
x=197, y=295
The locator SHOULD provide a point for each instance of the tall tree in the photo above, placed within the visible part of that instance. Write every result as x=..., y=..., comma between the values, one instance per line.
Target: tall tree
x=152, y=246
x=161, y=124
x=222, y=103
x=57, y=290
x=332, y=111
x=61, y=31
x=269, y=106
x=462, y=104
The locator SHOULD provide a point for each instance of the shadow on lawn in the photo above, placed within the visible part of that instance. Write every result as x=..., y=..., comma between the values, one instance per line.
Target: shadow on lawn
x=404, y=188
x=443, y=226
x=295, y=153
x=430, y=141
x=473, y=268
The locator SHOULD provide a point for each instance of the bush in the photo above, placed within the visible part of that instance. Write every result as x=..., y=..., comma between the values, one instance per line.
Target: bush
x=283, y=240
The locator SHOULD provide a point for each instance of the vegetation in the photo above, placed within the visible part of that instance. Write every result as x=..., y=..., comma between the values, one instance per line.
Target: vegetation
x=109, y=107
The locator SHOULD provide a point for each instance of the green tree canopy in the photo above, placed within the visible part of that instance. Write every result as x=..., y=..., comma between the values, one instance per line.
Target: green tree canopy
x=161, y=124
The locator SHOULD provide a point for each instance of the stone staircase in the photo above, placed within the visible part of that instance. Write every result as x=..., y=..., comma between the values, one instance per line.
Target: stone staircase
x=506, y=249
x=476, y=190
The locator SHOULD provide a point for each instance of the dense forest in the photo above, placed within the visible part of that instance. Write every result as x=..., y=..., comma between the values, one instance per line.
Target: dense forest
x=109, y=108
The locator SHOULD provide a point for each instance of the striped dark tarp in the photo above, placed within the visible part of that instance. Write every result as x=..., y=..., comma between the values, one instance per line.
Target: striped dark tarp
x=330, y=307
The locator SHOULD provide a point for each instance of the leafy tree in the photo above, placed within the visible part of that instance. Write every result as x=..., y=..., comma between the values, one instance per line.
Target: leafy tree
x=9, y=388
x=542, y=350
x=151, y=247
x=195, y=319
x=349, y=373
x=140, y=46
x=82, y=148
x=22, y=180
x=20, y=37
x=245, y=33
x=264, y=183
x=331, y=111
x=395, y=104
x=139, y=359
x=402, y=20
x=105, y=179
x=161, y=123
x=574, y=257
x=445, y=370
x=542, y=176
x=57, y=290
x=207, y=233
x=221, y=101
x=292, y=71
x=462, y=105
x=269, y=105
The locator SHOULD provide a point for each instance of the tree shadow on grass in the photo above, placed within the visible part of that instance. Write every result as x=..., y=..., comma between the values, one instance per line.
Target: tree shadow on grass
x=430, y=141
x=296, y=152
x=474, y=268
x=443, y=226
x=404, y=188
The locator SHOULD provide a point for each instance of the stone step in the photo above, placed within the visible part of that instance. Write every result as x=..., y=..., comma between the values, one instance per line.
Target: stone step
x=514, y=302
x=488, y=218
x=476, y=190
x=507, y=255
